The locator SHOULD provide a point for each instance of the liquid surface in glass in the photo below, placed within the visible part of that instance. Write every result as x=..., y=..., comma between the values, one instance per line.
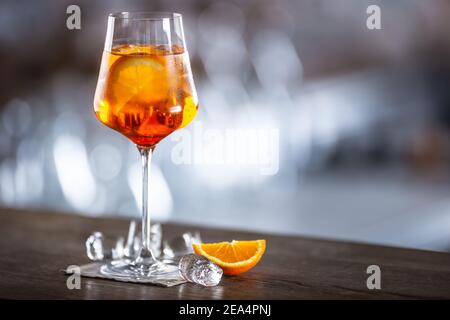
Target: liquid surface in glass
x=145, y=91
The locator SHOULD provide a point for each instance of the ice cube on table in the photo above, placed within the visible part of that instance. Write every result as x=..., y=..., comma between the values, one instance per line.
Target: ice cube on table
x=198, y=269
x=95, y=246
x=118, y=251
x=96, y=249
x=156, y=238
x=132, y=246
x=181, y=245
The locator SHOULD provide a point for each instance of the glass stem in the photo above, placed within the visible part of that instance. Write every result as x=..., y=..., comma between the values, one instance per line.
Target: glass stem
x=146, y=252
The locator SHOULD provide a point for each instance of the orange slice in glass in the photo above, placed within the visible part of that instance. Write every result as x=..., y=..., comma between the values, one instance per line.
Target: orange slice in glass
x=233, y=257
x=137, y=79
x=189, y=111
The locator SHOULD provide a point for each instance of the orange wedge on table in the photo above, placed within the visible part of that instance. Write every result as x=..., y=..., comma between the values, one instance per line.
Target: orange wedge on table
x=233, y=257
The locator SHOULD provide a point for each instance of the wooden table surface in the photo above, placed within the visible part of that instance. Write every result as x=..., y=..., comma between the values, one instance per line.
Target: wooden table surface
x=36, y=245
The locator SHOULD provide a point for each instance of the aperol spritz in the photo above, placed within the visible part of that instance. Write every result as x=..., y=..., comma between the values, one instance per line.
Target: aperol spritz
x=145, y=91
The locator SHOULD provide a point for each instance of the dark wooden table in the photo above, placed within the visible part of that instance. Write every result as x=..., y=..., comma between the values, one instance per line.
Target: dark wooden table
x=35, y=246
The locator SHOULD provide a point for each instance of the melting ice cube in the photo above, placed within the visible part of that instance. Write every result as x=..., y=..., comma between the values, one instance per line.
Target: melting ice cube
x=198, y=269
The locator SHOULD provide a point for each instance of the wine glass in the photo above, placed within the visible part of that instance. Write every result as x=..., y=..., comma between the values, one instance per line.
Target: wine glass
x=145, y=91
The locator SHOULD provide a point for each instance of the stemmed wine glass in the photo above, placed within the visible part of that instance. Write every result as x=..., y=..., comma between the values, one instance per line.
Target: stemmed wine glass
x=145, y=91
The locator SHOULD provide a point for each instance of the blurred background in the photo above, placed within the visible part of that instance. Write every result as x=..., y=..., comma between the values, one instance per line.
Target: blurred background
x=362, y=118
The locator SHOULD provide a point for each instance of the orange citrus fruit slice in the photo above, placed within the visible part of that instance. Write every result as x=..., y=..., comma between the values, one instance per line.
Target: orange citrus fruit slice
x=233, y=257
x=189, y=111
x=137, y=79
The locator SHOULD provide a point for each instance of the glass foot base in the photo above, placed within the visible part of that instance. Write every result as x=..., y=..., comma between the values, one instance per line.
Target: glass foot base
x=135, y=270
